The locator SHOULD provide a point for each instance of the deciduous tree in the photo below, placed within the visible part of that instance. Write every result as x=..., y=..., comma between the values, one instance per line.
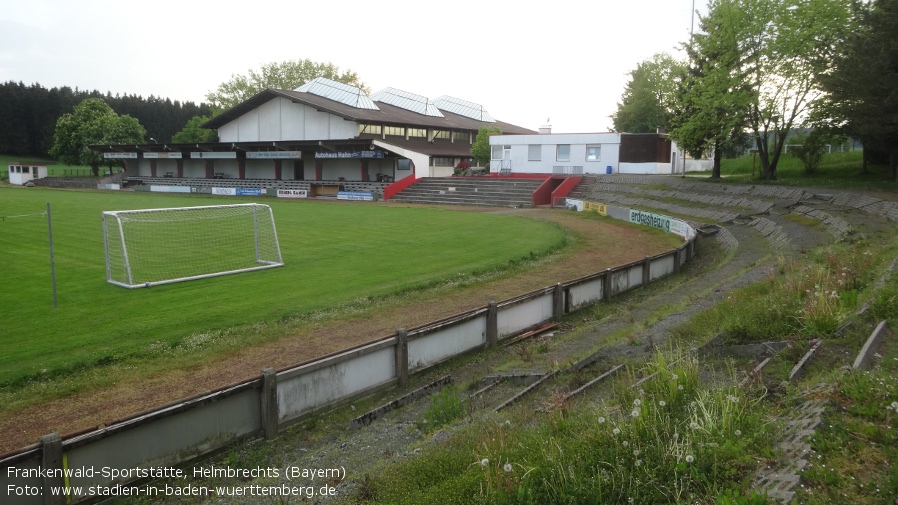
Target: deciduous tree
x=193, y=133
x=289, y=74
x=480, y=150
x=92, y=123
x=648, y=100
x=768, y=51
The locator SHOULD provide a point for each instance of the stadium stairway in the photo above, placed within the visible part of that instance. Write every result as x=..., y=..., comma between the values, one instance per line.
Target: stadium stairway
x=485, y=191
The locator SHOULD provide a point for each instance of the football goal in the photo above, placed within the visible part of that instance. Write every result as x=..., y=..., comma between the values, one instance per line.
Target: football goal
x=159, y=246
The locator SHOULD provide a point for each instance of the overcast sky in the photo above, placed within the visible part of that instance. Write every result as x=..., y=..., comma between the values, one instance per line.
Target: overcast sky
x=525, y=62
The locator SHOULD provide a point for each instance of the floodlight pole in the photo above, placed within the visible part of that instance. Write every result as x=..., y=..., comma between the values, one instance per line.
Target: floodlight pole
x=691, y=28
x=52, y=261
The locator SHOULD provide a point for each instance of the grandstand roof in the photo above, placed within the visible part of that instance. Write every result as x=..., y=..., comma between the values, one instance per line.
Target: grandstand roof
x=385, y=113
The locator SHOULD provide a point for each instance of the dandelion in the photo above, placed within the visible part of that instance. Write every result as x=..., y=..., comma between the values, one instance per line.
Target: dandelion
x=635, y=413
x=616, y=431
x=674, y=376
x=693, y=425
x=601, y=420
x=738, y=433
x=636, y=452
x=484, y=462
x=507, y=467
x=676, y=436
x=638, y=462
x=637, y=402
x=662, y=403
x=690, y=458
x=626, y=444
x=680, y=387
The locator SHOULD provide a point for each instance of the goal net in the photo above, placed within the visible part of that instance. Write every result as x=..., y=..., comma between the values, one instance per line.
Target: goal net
x=160, y=246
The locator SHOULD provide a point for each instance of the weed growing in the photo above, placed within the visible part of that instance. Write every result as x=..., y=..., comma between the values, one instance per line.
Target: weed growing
x=670, y=441
x=804, y=298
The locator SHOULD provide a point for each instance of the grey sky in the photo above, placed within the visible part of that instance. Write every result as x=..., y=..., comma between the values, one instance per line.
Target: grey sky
x=525, y=62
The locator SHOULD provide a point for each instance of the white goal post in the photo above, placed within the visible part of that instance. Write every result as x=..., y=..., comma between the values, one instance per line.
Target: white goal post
x=149, y=247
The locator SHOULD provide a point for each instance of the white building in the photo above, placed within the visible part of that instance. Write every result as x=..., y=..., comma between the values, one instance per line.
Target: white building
x=323, y=130
x=22, y=172
x=583, y=153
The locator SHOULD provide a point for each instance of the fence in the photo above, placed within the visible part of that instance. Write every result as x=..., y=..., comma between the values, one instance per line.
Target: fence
x=125, y=451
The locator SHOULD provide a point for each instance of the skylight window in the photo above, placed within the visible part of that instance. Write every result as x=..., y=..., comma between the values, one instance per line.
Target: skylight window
x=338, y=92
x=408, y=101
x=463, y=108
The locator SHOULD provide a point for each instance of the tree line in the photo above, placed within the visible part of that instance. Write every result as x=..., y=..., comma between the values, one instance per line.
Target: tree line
x=29, y=115
x=757, y=70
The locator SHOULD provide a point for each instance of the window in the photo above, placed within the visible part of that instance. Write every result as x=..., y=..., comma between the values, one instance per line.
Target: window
x=463, y=136
x=442, y=162
x=593, y=153
x=441, y=135
x=496, y=152
x=534, y=153
x=369, y=128
x=563, y=152
x=394, y=130
x=417, y=132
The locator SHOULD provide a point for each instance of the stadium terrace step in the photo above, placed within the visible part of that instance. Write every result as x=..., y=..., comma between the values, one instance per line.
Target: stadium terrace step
x=471, y=191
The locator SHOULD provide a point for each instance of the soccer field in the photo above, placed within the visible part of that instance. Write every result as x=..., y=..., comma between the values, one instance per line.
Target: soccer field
x=333, y=253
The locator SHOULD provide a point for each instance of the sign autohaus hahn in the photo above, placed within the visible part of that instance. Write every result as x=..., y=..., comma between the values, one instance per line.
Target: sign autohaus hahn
x=348, y=155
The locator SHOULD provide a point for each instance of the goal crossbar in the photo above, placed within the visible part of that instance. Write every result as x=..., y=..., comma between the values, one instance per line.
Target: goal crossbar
x=148, y=247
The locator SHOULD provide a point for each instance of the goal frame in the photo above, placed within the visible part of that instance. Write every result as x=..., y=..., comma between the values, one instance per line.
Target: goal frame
x=111, y=218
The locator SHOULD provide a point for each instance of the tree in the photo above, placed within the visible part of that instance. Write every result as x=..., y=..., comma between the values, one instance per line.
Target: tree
x=772, y=50
x=480, y=149
x=648, y=100
x=193, y=133
x=861, y=83
x=93, y=122
x=810, y=148
x=289, y=74
x=713, y=98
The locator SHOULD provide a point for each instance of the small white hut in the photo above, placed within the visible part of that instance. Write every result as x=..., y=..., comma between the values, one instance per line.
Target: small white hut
x=22, y=172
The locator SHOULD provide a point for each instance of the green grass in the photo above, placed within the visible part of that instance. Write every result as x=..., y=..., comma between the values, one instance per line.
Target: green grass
x=839, y=170
x=334, y=254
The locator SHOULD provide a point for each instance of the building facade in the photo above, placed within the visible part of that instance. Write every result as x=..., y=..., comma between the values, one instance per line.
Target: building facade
x=583, y=153
x=323, y=130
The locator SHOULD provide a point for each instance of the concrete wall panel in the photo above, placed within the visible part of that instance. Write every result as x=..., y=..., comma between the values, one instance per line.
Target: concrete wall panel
x=308, y=387
x=522, y=315
x=445, y=343
x=585, y=293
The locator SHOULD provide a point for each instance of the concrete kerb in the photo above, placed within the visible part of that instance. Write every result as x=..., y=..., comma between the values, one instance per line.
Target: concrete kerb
x=372, y=415
x=864, y=360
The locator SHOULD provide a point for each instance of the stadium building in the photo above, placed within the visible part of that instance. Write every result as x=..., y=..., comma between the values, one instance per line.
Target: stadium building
x=322, y=131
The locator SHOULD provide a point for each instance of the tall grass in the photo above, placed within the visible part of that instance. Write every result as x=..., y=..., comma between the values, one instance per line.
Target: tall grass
x=806, y=297
x=673, y=441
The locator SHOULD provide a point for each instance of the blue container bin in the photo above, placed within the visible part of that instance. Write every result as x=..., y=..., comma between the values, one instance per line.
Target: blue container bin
x=608, y=169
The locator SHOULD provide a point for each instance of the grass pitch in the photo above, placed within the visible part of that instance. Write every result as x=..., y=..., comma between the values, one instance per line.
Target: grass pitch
x=333, y=254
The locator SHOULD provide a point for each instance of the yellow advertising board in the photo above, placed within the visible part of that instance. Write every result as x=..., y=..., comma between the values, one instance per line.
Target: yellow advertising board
x=595, y=207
